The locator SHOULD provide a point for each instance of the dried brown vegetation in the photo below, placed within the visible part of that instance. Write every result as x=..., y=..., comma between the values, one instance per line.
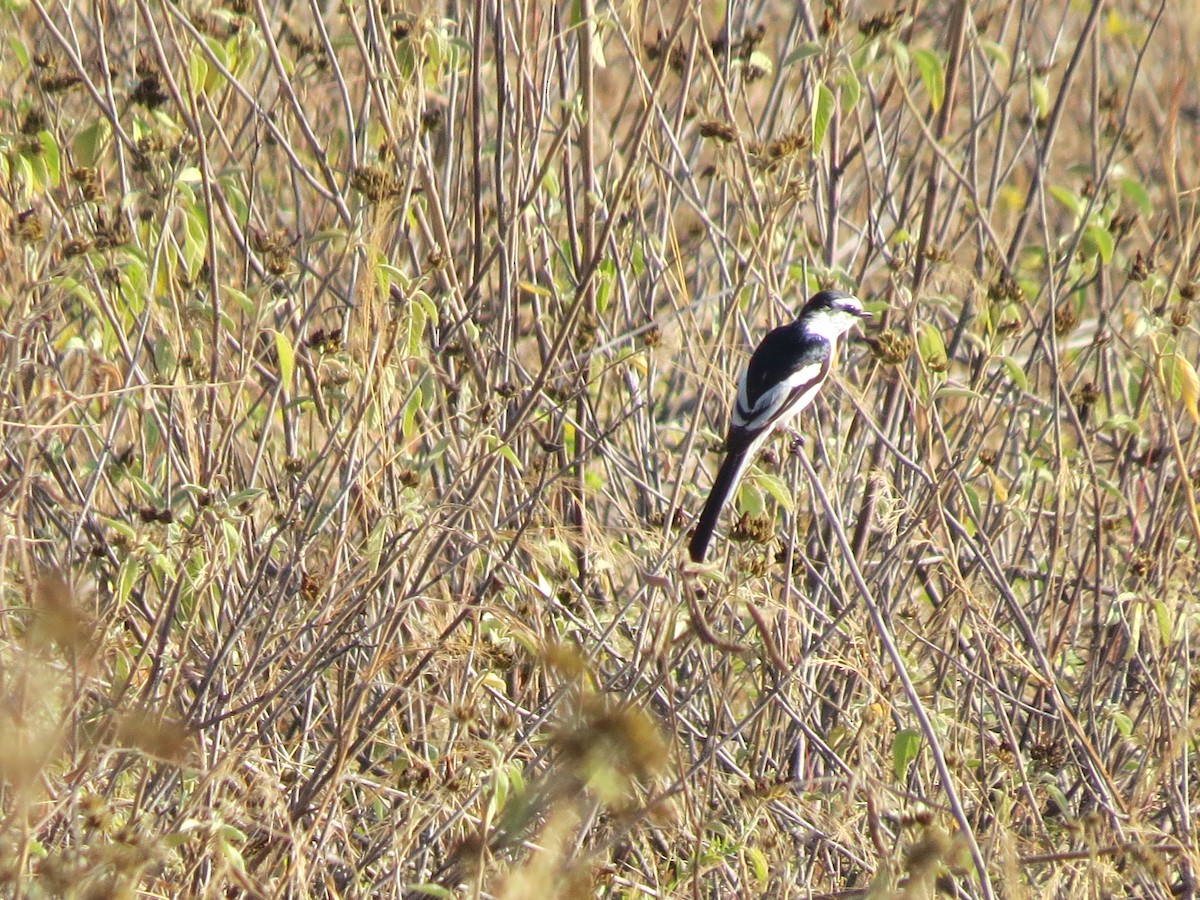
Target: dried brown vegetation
x=360, y=366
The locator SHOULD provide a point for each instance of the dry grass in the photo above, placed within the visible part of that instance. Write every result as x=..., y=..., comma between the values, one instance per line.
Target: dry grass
x=361, y=372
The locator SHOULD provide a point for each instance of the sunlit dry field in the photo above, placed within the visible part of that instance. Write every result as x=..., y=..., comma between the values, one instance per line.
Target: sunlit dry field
x=364, y=365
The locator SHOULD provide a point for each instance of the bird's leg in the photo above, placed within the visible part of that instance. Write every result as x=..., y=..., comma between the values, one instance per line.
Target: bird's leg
x=797, y=444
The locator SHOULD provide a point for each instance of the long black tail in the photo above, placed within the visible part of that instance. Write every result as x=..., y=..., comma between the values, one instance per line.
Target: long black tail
x=727, y=479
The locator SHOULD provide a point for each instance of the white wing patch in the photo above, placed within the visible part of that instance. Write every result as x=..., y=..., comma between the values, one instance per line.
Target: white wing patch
x=778, y=404
x=801, y=402
x=741, y=402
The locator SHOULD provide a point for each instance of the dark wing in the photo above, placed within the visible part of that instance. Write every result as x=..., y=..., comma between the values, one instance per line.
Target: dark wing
x=780, y=354
x=782, y=377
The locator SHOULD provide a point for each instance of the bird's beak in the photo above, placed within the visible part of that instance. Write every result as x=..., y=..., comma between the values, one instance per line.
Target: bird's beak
x=865, y=316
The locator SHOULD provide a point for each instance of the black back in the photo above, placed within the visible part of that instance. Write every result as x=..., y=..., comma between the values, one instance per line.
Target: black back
x=783, y=351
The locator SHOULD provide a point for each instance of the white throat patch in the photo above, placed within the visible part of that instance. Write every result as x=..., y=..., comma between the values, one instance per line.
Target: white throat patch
x=830, y=324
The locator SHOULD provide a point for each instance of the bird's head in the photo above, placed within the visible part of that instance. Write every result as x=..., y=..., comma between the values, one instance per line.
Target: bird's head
x=831, y=314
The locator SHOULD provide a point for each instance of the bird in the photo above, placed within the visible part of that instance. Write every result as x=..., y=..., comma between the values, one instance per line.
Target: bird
x=783, y=376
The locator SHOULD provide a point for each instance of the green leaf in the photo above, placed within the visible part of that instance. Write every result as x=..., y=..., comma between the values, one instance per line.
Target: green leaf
x=1121, y=422
x=39, y=177
x=1133, y=189
x=286, y=356
x=807, y=50
x=243, y=301
x=417, y=317
x=758, y=863
x=905, y=746
x=496, y=444
x=750, y=500
x=89, y=143
x=231, y=833
x=239, y=497
x=762, y=62
x=127, y=577
x=1163, y=616
x=19, y=52
x=232, y=855
x=1015, y=372
x=431, y=309
x=1057, y=795
x=385, y=277
x=195, y=239
x=932, y=76
x=50, y=156
x=124, y=529
x=23, y=172
x=198, y=72
x=821, y=115
x=995, y=53
x=973, y=501
x=851, y=89
x=374, y=544
x=134, y=280
x=408, y=419
x=1097, y=242
x=931, y=347
x=637, y=259
x=433, y=890
x=164, y=356
x=775, y=486
x=1067, y=199
x=1041, y=97
x=606, y=273
x=1184, y=383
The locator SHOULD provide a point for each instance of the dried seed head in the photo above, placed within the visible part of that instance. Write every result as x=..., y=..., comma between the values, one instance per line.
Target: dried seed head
x=1065, y=319
x=892, y=348
x=878, y=24
x=1142, y=266
x=95, y=812
x=33, y=121
x=58, y=82
x=61, y=620
x=759, y=529
x=1084, y=398
x=606, y=736
x=932, y=850
x=155, y=734
x=1005, y=287
x=431, y=118
x=375, y=183
x=1121, y=224
x=148, y=92
x=27, y=227
x=754, y=565
x=721, y=131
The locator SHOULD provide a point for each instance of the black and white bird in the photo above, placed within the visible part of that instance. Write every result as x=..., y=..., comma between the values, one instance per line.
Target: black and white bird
x=783, y=376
